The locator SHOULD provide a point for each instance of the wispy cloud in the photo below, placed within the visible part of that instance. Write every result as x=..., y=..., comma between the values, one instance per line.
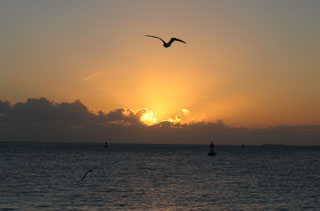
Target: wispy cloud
x=92, y=76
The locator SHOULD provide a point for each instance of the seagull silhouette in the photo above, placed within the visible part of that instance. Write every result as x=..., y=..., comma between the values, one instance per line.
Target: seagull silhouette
x=84, y=176
x=167, y=44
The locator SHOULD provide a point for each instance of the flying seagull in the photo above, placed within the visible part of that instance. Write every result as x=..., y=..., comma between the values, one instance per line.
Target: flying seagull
x=84, y=176
x=167, y=44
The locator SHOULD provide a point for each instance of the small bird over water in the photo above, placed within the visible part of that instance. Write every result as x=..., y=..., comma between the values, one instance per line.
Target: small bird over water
x=167, y=44
x=84, y=176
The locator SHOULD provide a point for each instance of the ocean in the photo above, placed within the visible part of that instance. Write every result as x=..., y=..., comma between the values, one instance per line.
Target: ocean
x=47, y=176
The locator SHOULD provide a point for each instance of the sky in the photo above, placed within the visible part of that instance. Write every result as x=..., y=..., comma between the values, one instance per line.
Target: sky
x=252, y=64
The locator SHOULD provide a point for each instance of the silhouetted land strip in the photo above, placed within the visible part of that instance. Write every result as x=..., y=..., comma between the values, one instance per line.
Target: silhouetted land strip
x=274, y=145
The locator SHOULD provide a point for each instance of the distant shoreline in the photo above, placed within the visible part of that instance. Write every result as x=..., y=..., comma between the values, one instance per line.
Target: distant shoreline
x=173, y=144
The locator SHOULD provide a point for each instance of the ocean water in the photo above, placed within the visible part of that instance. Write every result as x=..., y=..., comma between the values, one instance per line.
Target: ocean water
x=46, y=176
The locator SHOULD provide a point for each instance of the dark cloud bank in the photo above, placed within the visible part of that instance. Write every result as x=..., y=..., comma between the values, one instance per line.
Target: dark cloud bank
x=47, y=121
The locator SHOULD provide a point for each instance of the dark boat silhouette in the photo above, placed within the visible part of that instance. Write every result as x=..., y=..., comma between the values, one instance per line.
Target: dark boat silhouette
x=211, y=152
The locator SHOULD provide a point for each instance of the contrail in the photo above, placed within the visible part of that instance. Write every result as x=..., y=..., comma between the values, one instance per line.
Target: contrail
x=92, y=76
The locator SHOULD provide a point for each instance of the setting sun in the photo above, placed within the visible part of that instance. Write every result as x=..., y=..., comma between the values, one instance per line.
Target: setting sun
x=148, y=118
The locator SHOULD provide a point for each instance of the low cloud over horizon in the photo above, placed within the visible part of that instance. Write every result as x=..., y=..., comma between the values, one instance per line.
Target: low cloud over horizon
x=39, y=119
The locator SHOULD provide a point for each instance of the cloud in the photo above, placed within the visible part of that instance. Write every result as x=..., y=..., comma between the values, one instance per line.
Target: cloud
x=39, y=119
x=4, y=107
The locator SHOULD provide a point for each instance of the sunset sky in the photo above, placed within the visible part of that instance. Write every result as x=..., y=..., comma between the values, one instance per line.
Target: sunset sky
x=249, y=63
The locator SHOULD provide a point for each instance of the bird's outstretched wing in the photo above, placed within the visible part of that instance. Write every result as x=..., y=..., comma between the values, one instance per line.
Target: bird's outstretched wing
x=155, y=37
x=84, y=176
x=176, y=39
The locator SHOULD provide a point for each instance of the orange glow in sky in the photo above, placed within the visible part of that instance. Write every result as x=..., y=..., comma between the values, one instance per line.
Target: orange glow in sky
x=252, y=64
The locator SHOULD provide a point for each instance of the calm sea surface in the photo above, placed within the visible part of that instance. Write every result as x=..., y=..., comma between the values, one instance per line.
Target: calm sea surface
x=43, y=176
